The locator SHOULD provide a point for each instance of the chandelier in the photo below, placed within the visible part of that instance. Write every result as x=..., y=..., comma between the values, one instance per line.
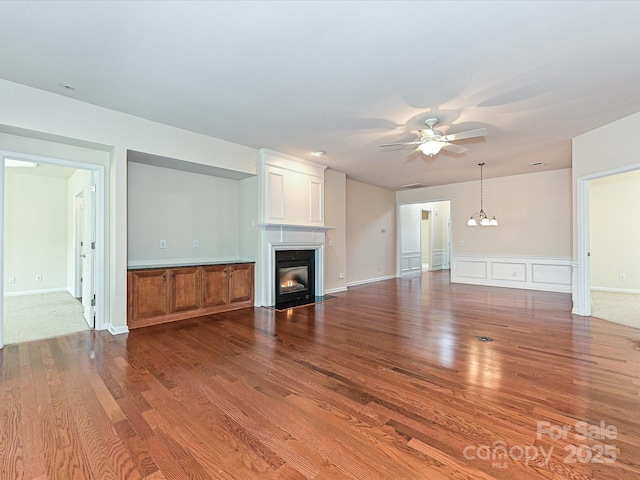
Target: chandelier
x=481, y=218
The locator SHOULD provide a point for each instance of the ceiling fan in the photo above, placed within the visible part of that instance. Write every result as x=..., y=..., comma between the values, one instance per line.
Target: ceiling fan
x=432, y=141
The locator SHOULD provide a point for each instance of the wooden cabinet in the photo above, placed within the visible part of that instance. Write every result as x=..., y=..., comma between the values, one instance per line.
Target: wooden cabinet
x=215, y=285
x=240, y=283
x=165, y=295
x=148, y=295
x=227, y=284
x=184, y=289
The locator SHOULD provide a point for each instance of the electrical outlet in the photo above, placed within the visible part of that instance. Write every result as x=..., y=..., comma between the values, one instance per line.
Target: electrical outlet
x=341, y=275
x=379, y=268
x=38, y=278
x=12, y=279
x=163, y=244
x=622, y=277
x=196, y=244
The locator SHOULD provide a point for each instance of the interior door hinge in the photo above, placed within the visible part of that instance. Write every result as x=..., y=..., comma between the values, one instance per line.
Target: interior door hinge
x=93, y=188
x=93, y=301
x=93, y=245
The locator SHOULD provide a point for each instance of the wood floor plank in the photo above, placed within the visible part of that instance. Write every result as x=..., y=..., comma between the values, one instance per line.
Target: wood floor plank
x=388, y=381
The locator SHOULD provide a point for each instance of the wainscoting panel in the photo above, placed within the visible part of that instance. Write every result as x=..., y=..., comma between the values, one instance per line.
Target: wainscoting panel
x=471, y=269
x=513, y=272
x=534, y=273
x=275, y=197
x=315, y=201
x=437, y=260
x=557, y=274
x=446, y=264
x=410, y=263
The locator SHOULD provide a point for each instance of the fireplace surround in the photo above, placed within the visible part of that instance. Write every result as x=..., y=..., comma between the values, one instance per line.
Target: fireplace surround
x=281, y=238
x=294, y=278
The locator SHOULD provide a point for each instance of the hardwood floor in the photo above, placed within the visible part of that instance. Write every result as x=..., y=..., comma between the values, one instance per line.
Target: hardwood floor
x=386, y=382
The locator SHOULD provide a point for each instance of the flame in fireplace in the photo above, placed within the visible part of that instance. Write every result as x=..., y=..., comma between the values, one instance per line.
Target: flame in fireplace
x=292, y=281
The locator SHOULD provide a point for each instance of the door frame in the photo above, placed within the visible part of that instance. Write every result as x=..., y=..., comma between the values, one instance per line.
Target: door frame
x=582, y=290
x=430, y=252
x=399, y=227
x=99, y=172
x=88, y=251
x=77, y=264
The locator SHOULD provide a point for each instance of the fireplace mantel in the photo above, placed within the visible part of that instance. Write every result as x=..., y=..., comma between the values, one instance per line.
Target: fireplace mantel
x=294, y=227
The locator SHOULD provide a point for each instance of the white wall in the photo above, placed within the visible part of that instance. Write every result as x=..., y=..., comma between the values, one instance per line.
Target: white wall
x=180, y=207
x=370, y=250
x=441, y=217
x=615, y=232
x=249, y=233
x=533, y=211
x=35, y=232
x=335, y=199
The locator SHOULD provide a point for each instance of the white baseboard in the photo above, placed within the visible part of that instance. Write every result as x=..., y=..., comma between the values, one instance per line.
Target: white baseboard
x=551, y=274
x=369, y=280
x=336, y=290
x=35, y=292
x=616, y=290
x=117, y=330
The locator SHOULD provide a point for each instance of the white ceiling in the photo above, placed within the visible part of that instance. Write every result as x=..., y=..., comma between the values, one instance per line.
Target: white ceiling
x=44, y=170
x=345, y=77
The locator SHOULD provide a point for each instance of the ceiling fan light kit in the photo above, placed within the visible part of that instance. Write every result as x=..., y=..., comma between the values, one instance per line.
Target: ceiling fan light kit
x=481, y=218
x=430, y=148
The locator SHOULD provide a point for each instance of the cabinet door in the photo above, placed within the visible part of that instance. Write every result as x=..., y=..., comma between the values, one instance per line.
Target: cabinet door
x=240, y=283
x=215, y=286
x=149, y=296
x=184, y=289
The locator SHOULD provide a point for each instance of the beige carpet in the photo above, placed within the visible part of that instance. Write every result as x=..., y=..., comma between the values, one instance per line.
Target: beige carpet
x=623, y=308
x=45, y=315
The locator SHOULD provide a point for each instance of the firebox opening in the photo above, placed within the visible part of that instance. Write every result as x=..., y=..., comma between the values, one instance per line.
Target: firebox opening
x=294, y=279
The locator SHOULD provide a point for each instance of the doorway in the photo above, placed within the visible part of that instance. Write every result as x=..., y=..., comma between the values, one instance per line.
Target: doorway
x=614, y=234
x=423, y=237
x=425, y=241
x=611, y=272
x=48, y=282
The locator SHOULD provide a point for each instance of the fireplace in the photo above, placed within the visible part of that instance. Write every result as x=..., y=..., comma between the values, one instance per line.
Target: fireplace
x=294, y=277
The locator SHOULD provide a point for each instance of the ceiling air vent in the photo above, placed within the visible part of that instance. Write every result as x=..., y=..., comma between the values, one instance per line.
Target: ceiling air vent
x=412, y=185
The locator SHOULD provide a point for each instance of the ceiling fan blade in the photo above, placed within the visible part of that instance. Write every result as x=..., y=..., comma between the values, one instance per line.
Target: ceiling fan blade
x=480, y=132
x=452, y=147
x=401, y=143
x=409, y=155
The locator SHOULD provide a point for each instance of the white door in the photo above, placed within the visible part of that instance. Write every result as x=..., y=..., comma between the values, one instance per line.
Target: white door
x=88, y=253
